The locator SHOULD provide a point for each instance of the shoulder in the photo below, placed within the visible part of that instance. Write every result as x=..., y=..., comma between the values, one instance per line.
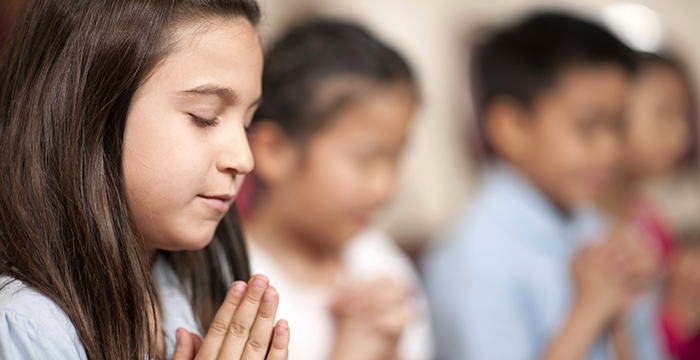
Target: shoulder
x=490, y=219
x=21, y=302
x=32, y=326
x=483, y=246
x=482, y=237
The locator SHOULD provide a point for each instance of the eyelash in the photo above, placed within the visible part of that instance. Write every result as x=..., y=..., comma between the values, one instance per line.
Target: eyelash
x=212, y=122
x=203, y=122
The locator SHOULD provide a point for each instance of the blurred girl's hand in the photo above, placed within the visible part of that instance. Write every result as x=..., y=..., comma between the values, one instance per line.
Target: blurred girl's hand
x=243, y=328
x=370, y=320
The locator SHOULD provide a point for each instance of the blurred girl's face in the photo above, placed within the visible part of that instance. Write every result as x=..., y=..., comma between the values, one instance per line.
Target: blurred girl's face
x=656, y=134
x=349, y=168
x=185, y=145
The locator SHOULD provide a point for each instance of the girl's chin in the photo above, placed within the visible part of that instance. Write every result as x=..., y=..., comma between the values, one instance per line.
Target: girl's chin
x=198, y=244
x=193, y=243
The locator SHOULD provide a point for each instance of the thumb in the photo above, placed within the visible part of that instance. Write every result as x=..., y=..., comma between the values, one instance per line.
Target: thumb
x=185, y=347
x=197, y=341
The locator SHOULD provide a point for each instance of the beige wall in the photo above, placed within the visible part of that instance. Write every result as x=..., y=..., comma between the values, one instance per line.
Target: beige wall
x=439, y=174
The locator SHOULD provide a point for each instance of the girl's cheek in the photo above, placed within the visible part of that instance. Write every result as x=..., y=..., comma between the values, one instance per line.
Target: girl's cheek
x=353, y=179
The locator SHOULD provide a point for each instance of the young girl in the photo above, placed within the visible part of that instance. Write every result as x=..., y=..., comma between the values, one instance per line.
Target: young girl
x=337, y=105
x=658, y=137
x=123, y=144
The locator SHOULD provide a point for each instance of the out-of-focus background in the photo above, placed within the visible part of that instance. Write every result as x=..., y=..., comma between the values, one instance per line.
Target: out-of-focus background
x=440, y=170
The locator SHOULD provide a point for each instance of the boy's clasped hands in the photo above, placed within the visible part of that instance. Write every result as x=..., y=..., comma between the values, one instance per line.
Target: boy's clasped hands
x=611, y=274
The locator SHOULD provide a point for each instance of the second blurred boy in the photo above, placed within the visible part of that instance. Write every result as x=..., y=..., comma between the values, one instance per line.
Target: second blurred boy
x=520, y=277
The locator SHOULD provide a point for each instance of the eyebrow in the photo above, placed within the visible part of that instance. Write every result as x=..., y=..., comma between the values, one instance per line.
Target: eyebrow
x=223, y=92
x=208, y=89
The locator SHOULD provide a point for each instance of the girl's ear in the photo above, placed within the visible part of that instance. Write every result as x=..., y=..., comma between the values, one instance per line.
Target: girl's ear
x=507, y=128
x=276, y=157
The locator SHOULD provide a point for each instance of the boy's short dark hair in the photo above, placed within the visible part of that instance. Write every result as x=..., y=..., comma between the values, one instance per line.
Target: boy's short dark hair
x=523, y=60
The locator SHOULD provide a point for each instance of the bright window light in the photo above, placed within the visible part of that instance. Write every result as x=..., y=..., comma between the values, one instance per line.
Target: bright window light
x=639, y=26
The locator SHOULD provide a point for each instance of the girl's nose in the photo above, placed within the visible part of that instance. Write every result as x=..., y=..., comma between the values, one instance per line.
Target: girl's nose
x=237, y=158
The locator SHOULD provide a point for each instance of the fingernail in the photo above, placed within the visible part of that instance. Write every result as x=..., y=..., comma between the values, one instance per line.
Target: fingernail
x=282, y=328
x=178, y=335
x=269, y=297
x=239, y=288
x=260, y=282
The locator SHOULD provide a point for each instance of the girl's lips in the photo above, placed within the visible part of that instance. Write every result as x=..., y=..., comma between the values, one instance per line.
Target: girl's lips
x=219, y=202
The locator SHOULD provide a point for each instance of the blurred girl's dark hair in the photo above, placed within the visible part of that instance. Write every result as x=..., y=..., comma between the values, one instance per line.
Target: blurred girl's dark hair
x=310, y=55
x=68, y=74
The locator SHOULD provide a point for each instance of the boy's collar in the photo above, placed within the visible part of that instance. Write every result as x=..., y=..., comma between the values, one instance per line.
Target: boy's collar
x=503, y=171
x=582, y=225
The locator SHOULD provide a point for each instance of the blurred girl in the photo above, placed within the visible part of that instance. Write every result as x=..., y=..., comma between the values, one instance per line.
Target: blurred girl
x=123, y=144
x=337, y=105
x=659, y=136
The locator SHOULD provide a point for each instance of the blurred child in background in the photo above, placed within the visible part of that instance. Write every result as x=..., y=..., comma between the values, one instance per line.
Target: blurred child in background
x=337, y=106
x=681, y=312
x=529, y=272
x=658, y=137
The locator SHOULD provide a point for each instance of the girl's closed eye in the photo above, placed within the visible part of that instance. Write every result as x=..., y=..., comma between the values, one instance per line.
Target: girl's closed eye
x=203, y=122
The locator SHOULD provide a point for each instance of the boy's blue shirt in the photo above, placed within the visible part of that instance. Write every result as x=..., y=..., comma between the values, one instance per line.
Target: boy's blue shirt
x=501, y=287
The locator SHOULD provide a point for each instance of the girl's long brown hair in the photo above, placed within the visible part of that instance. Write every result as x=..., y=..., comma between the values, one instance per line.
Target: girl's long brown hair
x=68, y=73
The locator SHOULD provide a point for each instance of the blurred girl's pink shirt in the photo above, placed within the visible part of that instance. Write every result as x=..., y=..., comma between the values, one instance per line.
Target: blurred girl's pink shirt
x=678, y=346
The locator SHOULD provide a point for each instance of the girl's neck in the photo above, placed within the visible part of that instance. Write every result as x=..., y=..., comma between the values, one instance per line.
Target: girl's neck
x=303, y=259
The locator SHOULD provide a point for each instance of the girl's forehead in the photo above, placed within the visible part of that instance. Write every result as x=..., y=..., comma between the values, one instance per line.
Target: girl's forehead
x=382, y=115
x=215, y=34
x=225, y=55
x=663, y=81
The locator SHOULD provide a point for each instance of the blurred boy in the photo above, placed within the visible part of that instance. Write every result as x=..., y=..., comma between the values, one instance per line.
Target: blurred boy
x=520, y=277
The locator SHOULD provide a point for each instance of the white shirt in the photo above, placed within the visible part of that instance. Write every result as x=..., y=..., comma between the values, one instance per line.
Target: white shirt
x=370, y=255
